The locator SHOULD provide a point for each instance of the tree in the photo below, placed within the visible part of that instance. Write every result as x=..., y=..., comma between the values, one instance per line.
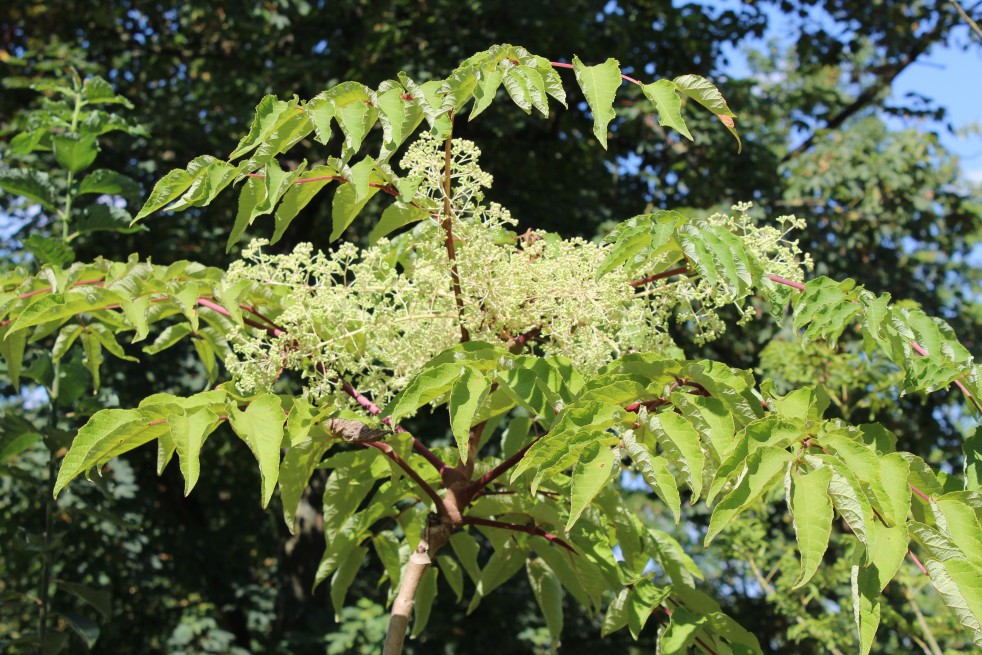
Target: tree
x=566, y=340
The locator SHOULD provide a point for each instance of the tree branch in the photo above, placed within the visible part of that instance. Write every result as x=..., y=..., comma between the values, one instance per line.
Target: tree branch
x=373, y=409
x=433, y=537
x=869, y=95
x=968, y=19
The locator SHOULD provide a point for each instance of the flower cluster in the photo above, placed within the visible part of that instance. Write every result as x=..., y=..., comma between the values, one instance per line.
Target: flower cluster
x=374, y=316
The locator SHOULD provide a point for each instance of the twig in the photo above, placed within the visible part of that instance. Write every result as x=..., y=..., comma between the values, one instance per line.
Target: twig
x=659, y=276
x=498, y=470
x=373, y=409
x=447, y=225
x=514, y=527
x=410, y=471
x=968, y=19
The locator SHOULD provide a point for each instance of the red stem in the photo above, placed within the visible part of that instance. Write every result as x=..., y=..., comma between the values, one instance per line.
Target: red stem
x=920, y=493
x=276, y=332
x=788, y=283
x=373, y=409
x=514, y=527
x=411, y=472
x=48, y=289
x=498, y=470
x=917, y=561
x=659, y=276
x=334, y=178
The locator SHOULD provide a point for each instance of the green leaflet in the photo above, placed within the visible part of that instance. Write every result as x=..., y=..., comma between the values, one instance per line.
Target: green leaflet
x=344, y=576
x=209, y=176
x=683, y=628
x=188, y=430
x=888, y=553
x=641, y=240
x=811, y=513
x=261, y=427
x=259, y=197
x=271, y=116
x=763, y=467
x=654, y=470
x=848, y=498
x=668, y=104
x=548, y=594
x=170, y=186
x=395, y=216
x=466, y=548
x=958, y=583
x=103, y=181
x=12, y=350
x=466, y=395
x=169, y=336
x=31, y=184
x=865, y=465
x=580, y=577
x=351, y=198
x=425, y=594
x=578, y=425
x=769, y=431
x=963, y=524
x=592, y=472
x=706, y=94
x=825, y=308
x=298, y=465
x=616, y=616
x=485, y=90
x=645, y=596
x=453, y=573
x=680, y=441
x=865, y=603
x=92, y=348
x=504, y=563
x=721, y=259
x=75, y=152
x=107, y=434
x=599, y=84
x=429, y=385
x=58, y=306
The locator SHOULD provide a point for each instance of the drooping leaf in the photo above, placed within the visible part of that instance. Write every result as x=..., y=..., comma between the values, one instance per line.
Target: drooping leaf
x=466, y=395
x=592, y=472
x=425, y=595
x=75, y=152
x=663, y=94
x=548, y=594
x=599, y=84
x=108, y=433
x=261, y=427
x=811, y=513
x=763, y=467
x=344, y=576
x=654, y=470
x=29, y=183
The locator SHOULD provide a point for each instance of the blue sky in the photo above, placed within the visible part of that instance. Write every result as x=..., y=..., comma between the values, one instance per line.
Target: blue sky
x=949, y=73
x=953, y=77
